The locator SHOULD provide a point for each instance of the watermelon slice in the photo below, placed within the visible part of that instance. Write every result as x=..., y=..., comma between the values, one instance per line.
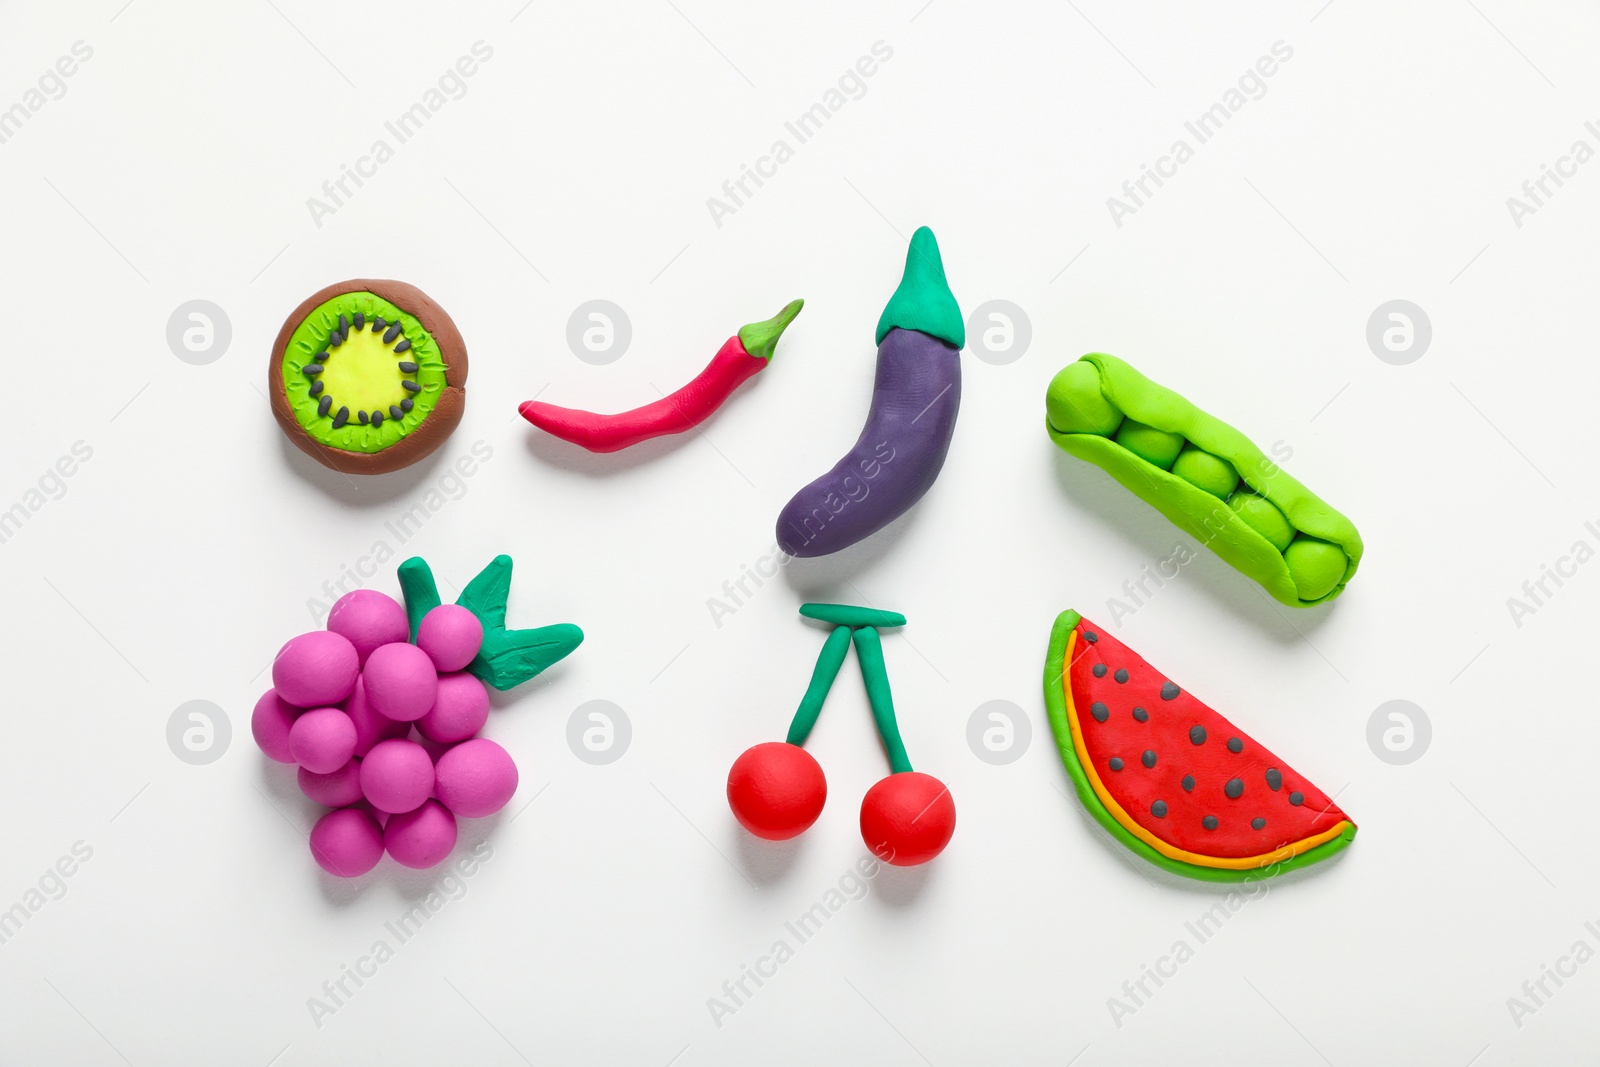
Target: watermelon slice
x=1169, y=777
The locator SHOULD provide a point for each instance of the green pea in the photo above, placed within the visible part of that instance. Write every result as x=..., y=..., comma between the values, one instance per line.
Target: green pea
x=1204, y=471
x=1261, y=516
x=1156, y=447
x=1315, y=565
x=1074, y=403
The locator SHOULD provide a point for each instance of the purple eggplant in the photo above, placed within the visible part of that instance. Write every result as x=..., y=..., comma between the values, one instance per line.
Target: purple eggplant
x=916, y=393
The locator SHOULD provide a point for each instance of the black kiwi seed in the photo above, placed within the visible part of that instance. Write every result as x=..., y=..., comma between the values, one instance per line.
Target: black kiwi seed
x=361, y=416
x=391, y=333
x=377, y=418
x=410, y=386
x=359, y=321
x=408, y=368
x=406, y=405
x=341, y=417
x=335, y=339
x=311, y=370
x=395, y=413
x=316, y=387
x=324, y=404
x=378, y=324
x=321, y=357
x=403, y=346
x=344, y=324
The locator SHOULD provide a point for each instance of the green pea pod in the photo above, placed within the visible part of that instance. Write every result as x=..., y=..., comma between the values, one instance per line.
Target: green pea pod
x=1205, y=476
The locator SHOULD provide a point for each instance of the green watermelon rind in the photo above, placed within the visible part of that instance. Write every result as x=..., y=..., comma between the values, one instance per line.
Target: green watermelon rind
x=1055, y=702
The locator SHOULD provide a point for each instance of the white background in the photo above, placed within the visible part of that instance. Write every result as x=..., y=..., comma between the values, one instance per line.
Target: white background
x=172, y=564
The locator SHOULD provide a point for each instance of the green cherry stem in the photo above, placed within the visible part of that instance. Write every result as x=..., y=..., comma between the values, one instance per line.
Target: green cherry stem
x=852, y=616
x=834, y=650
x=869, y=650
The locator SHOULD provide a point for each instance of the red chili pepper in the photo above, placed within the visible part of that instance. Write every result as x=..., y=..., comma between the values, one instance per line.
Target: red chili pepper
x=745, y=353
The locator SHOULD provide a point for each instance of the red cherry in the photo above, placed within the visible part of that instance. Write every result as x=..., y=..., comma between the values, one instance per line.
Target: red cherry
x=776, y=790
x=907, y=818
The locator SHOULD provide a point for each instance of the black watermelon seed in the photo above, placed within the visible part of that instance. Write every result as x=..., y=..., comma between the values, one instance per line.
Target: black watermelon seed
x=1121, y=676
x=359, y=321
x=395, y=413
x=1090, y=636
x=361, y=416
x=1258, y=823
x=1159, y=809
x=1116, y=763
x=1100, y=712
x=403, y=346
x=1274, y=778
x=405, y=405
x=1141, y=715
x=377, y=418
x=1234, y=789
x=341, y=417
x=1209, y=822
x=1169, y=691
x=1099, y=670
x=321, y=357
x=1197, y=734
x=391, y=333
x=1235, y=745
x=316, y=386
x=407, y=368
x=1149, y=757
x=1297, y=799
x=410, y=386
x=1188, y=783
x=311, y=370
x=324, y=404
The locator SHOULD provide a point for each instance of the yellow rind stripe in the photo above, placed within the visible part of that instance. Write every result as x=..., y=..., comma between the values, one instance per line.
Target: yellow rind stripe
x=1266, y=859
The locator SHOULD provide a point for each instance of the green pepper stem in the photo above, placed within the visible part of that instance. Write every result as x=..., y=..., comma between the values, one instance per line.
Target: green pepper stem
x=760, y=339
x=869, y=650
x=834, y=650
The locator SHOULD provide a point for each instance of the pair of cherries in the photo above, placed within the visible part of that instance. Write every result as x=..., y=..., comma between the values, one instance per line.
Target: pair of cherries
x=777, y=789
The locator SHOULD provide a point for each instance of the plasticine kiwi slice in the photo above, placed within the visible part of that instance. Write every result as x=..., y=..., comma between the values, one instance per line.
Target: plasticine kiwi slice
x=368, y=376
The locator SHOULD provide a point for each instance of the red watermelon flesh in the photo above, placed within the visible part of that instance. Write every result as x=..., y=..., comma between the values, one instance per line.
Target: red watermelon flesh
x=1180, y=770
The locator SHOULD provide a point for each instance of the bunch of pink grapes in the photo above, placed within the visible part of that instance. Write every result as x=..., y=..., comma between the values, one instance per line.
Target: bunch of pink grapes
x=385, y=732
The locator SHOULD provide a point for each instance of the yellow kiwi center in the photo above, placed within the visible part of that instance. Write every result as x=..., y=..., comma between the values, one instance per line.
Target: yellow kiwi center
x=364, y=373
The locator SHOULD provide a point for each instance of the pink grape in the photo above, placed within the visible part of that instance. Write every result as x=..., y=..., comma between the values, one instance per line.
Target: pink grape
x=367, y=619
x=475, y=778
x=336, y=789
x=421, y=838
x=400, y=681
x=459, y=710
x=347, y=843
x=397, y=776
x=451, y=635
x=315, y=670
x=322, y=740
x=269, y=724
